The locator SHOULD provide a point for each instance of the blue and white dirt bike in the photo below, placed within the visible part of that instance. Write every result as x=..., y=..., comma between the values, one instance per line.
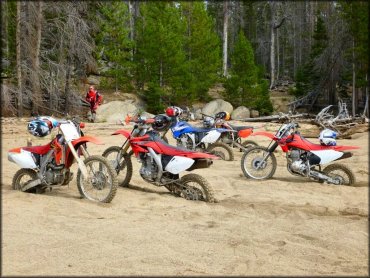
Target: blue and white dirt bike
x=198, y=139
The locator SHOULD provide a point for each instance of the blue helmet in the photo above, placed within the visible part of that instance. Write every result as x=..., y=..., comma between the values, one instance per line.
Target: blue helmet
x=327, y=137
x=38, y=128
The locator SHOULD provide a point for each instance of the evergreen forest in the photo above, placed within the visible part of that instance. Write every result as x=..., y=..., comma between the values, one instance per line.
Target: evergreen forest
x=173, y=52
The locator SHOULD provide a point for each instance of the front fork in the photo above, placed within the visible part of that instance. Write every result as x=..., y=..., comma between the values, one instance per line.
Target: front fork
x=270, y=150
x=80, y=162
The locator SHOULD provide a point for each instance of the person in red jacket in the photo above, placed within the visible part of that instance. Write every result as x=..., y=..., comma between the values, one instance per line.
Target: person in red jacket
x=95, y=99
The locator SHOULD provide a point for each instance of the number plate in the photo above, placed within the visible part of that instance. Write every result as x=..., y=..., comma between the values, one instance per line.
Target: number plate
x=69, y=131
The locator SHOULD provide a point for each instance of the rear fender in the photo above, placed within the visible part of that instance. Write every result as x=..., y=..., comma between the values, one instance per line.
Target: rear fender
x=245, y=132
x=122, y=132
x=345, y=148
x=263, y=133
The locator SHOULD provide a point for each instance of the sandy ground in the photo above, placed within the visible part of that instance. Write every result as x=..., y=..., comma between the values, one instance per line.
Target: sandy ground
x=283, y=226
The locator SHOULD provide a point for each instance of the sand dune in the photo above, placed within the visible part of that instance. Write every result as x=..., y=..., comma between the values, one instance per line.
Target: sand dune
x=283, y=226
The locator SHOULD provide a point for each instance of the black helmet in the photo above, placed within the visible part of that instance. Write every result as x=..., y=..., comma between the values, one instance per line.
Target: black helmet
x=223, y=115
x=161, y=122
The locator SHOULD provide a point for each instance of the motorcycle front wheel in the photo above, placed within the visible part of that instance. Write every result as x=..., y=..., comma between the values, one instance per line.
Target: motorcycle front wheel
x=121, y=163
x=196, y=188
x=341, y=173
x=102, y=183
x=221, y=150
x=258, y=163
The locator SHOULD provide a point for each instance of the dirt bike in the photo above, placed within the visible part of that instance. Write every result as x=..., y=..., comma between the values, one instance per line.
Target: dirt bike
x=303, y=158
x=48, y=166
x=235, y=135
x=161, y=162
x=199, y=139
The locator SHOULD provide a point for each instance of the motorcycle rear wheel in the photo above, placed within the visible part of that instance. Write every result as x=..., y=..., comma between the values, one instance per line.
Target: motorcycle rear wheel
x=252, y=158
x=196, y=188
x=29, y=175
x=122, y=164
x=340, y=172
x=102, y=186
x=221, y=150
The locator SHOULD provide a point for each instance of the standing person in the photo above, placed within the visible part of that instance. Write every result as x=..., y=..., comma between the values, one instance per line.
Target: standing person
x=95, y=99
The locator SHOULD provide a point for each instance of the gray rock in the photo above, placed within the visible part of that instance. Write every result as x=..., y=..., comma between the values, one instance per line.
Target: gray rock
x=241, y=112
x=147, y=115
x=216, y=106
x=93, y=80
x=255, y=114
x=116, y=111
x=197, y=114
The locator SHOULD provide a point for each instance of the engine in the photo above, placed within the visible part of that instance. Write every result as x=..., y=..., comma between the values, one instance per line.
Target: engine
x=297, y=161
x=149, y=169
x=55, y=174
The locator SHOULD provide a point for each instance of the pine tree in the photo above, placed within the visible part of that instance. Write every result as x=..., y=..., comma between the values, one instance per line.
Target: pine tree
x=160, y=57
x=307, y=76
x=202, y=47
x=113, y=44
x=244, y=87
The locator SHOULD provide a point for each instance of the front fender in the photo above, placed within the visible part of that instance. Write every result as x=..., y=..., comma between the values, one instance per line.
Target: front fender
x=85, y=139
x=122, y=132
x=263, y=133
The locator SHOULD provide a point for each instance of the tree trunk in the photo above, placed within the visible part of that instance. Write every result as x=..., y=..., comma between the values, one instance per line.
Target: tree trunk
x=225, y=34
x=161, y=74
x=131, y=15
x=18, y=58
x=272, y=57
x=366, y=108
x=35, y=60
x=294, y=50
x=353, y=80
x=277, y=55
x=4, y=29
x=67, y=86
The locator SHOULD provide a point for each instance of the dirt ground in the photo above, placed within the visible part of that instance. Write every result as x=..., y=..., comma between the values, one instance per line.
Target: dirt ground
x=287, y=225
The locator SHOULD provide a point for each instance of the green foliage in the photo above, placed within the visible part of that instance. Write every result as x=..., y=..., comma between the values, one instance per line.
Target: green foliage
x=202, y=47
x=245, y=87
x=320, y=39
x=114, y=48
x=160, y=57
x=307, y=77
x=357, y=16
x=154, y=97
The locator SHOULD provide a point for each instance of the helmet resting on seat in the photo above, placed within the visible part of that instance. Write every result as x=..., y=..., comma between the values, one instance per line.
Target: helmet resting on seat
x=327, y=137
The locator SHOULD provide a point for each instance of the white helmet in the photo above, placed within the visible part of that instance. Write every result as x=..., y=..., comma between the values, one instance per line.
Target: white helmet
x=327, y=137
x=208, y=122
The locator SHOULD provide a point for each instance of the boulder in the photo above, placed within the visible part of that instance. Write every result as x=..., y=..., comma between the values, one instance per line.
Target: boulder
x=216, y=106
x=197, y=114
x=255, y=114
x=93, y=80
x=240, y=113
x=116, y=111
x=147, y=115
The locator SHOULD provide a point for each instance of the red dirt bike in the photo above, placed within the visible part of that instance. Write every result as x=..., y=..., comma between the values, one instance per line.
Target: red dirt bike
x=48, y=166
x=161, y=162
x=303, y=158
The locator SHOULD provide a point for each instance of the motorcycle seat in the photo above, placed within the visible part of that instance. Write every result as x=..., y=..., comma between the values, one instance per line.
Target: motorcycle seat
x=38, y=149
x=179, y=151
x=238, y=128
